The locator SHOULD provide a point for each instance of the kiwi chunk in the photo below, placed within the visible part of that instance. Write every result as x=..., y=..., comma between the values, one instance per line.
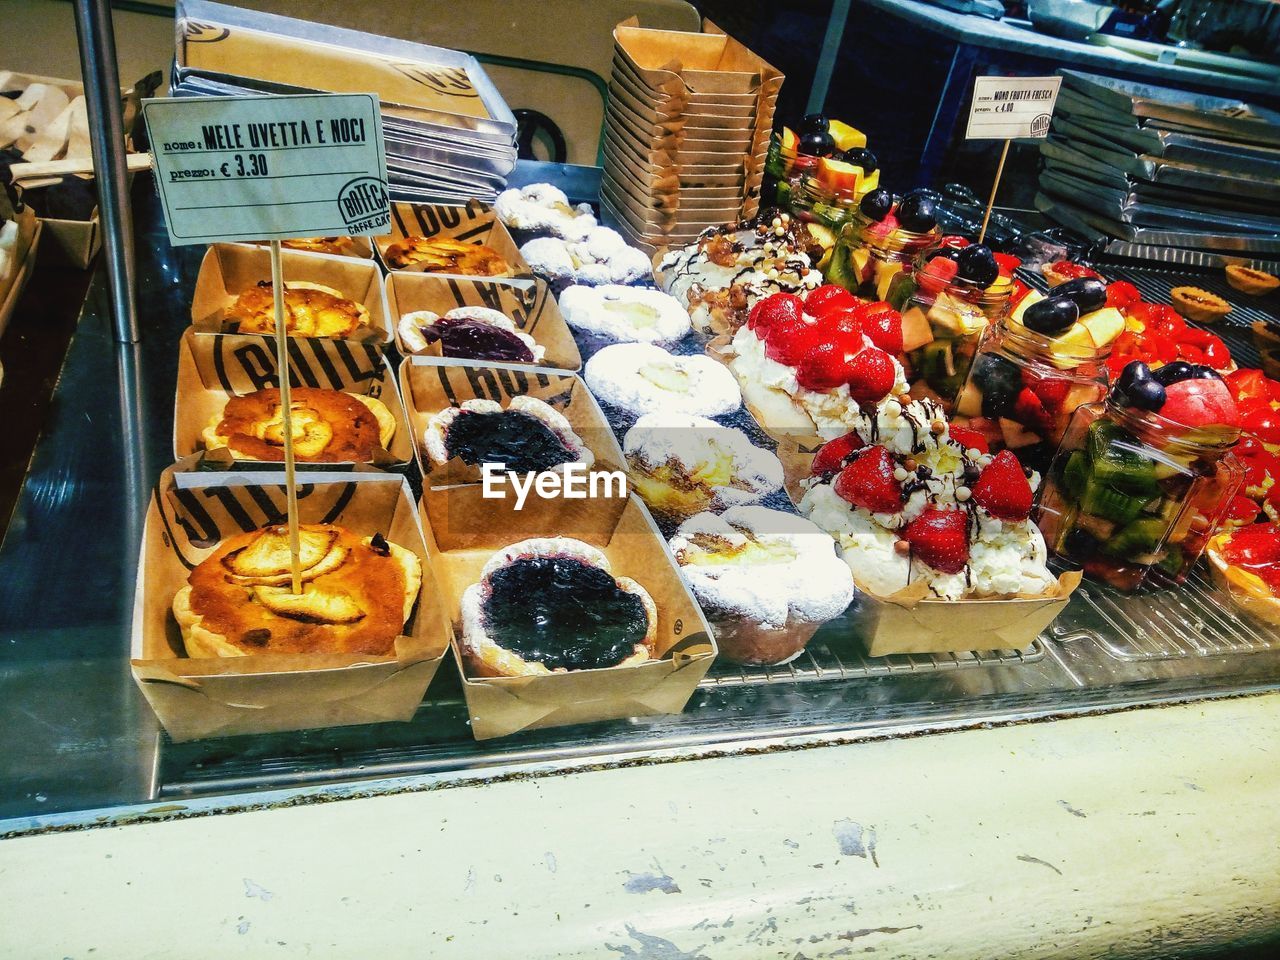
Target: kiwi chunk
x=1075, y=474
x=1115, y=461
x=1111, y=504
x=1137, y=539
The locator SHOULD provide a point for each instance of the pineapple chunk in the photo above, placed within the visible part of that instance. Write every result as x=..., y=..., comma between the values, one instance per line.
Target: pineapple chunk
x=916, y=331
x=1073, y=341
x=1104, y=325
x=969, y=403
x=1033, y=296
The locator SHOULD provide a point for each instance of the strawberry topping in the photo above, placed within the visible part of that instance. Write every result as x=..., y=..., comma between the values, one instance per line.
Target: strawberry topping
x=1122, y=294
x=970, y=439
x=787, y=341
x=882, y=324
x=779, y=308
x=831, y=456
x=829, y=363
x=939, y=538
x=822, y=300
x=871, y=376
x=868, y=482
x=1003, y=490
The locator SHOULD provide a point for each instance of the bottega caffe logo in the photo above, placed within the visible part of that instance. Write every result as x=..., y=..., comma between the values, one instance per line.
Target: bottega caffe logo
x=573, y=481
x=363, y=202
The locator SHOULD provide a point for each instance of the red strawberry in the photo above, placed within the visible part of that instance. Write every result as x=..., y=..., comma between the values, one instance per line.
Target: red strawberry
x=882, y=324
x=1240, y=511
x=868, y=482
x=829, y=363
x=1003, y=490
x=937, y=273
x=1028, y=410
x=831, y=455
x=871, y=376
x=822, y=300
x=1122, y=294
x=884, y=227
x=787, y=341
x=842, y=320
x=779, y=308
x=1050, y=389
x=970, y=439
x=940, y=539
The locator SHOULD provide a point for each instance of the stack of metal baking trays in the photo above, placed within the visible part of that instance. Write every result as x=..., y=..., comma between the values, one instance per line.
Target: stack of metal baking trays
x=449, y=135
x=1160, y=174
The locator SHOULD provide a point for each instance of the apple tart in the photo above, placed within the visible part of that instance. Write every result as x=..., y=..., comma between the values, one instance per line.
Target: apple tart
x=335, y=246
x=552, y=605
x=328, y=426
x=443, y=255
x=310, y=310
x=357, y=593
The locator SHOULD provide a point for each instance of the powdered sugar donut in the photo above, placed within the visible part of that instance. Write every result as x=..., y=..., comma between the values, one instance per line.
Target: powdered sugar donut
x=627, y=314
x=602, y=256
x=544, y=208
x=681, y=464
x=641, y=378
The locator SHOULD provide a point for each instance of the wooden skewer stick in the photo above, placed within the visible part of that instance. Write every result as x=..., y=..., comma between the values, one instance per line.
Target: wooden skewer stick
x=286, y=414
x=991, y=201
x=65, y=168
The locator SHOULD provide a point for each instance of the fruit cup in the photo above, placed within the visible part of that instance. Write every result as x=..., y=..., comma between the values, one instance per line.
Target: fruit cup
x=1027, y=379
x=825, y=153
x=882, y=239
x=947, y=300
x=1132, y=493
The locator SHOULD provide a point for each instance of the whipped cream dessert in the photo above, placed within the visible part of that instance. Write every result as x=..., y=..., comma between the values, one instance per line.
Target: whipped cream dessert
x=640, y=378
x=772, y=568
x=729, y=269
x=624, y=314
x=817, y=373
x=601, y=256
x=911, y=499
x=543, y=208
x=680, y=464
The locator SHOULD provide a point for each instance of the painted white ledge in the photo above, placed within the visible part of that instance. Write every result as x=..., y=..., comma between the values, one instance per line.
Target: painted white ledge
x=1131, y=835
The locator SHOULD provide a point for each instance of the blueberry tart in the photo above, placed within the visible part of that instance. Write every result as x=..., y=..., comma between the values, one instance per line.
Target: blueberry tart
x=550, y=606
x=468, y=333
x=529, y=435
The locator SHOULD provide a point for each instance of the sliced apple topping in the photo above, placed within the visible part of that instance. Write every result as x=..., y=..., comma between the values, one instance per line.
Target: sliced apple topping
x=314, y=605
x=266, y=560
x=311, y=434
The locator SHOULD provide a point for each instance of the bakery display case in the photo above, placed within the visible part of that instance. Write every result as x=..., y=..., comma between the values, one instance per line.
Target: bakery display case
x=879, y=481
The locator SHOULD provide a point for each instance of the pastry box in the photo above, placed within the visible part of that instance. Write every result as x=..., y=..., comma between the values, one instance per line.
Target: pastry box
x=20, y=261
x=229, y=269
x=214, y=368
x=710, y=64
x=430, y=385
x=473, y=223
x=222, y=696
x=78, y=240
x=464, y=530
x=527, y=302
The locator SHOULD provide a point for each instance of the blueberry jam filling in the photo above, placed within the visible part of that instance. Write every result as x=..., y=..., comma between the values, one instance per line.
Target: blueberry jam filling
x=563, y=613
x=522, y=442
x=470, y=339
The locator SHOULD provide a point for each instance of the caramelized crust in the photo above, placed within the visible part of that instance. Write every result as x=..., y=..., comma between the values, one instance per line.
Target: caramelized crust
x=328, y=425
x=356, y=595
x=338, y=246
x=310, y=311
x=442, y=255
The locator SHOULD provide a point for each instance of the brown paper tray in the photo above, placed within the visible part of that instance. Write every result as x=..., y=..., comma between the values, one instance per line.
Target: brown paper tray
x=528, y=302
x=24, y=256
x=214, y=697
x=464, y=530
x=430, y=385
x=234, y=364
x=710, y=62
x=228, y=269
